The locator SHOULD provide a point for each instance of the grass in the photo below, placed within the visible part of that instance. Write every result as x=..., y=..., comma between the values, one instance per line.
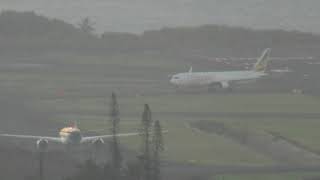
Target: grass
x=270, y=176
x=87, y=81
x=285, y=103
x=304, y=131
x=203, y=103
x=183, y=144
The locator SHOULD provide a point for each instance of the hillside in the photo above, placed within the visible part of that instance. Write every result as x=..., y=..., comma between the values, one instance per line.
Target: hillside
x=28, y=33
x=125, y=16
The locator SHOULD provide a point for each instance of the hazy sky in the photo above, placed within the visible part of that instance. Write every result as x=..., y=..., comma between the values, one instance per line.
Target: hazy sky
x=140, y=15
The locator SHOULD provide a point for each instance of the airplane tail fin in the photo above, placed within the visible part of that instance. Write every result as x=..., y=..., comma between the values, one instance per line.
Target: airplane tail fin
x=262, y=62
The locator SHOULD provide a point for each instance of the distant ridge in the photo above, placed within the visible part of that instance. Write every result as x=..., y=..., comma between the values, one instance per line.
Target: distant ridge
x=27, y=32
x=125, y=16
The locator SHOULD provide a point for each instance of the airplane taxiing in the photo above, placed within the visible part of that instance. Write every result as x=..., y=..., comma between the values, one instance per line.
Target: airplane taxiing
x=224, y=79
x=70, y=136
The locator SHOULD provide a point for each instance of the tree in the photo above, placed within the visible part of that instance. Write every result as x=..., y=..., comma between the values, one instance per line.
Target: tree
x=133, y=171
x=41, y=164
x=116, y=157
x=157, y=148
x=86, y=25
x=146, y=125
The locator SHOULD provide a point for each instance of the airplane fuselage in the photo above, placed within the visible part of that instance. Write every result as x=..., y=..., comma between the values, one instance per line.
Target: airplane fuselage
x=192, y=79
x=70, y=135
x=222, y=79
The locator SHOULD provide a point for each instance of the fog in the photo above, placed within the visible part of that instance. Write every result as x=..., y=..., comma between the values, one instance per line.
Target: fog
x=171, y=89
x=140, y=15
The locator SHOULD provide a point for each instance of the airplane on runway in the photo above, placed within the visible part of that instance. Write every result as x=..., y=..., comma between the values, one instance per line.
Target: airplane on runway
x=70, y=136
x=224, y=79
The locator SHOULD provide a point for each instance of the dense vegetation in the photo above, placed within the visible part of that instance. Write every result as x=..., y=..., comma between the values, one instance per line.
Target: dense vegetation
x=27, y=32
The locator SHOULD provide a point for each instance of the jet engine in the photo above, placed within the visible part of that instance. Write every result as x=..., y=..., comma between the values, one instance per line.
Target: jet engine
x=225, y=85
x=42, y=145
x=219, y=86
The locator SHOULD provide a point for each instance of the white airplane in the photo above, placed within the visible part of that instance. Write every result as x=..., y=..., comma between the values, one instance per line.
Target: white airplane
x=70, y=136
x=224, y=79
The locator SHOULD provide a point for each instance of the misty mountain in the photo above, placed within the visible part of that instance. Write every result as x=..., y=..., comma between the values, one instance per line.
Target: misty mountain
x=141, y=15
x=28, y=32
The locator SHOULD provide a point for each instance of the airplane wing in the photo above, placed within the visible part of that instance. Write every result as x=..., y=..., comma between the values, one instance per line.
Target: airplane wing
x=52, y=139
x=92, y=138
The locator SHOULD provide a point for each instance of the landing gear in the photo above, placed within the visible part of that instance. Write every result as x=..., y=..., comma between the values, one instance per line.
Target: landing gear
x=214, y=87
x=217, y=87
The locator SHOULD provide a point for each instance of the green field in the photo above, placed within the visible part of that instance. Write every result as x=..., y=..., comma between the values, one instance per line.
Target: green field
x=79, y=89
x=201, y=103
x=271, y=176
x=184, y=144
x=302, y=131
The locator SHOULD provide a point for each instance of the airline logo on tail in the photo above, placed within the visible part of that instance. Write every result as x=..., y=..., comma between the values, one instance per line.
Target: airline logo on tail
x=262, y=62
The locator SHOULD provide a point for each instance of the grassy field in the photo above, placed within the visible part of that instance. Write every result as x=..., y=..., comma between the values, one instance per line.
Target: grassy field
x=303, y=131
x=279, y=176
x=201, y=103
x=78, y=88
x=184, y=144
